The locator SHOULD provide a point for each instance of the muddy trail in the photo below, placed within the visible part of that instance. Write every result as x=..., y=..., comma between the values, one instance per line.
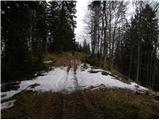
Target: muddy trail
x=78, y=106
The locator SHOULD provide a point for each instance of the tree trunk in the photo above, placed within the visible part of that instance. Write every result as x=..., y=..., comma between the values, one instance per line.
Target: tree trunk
x=138, y=62
x=130, y=63
x=105, y=40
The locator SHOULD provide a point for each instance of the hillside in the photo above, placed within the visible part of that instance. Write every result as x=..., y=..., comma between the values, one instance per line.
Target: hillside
x=98, y=92
x=80, y=59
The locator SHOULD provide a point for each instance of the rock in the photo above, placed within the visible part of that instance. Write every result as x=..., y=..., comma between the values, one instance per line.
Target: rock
x=92, y=71
x=85, y=66
x=105, y=73
x=34, y=85
x=137, y=86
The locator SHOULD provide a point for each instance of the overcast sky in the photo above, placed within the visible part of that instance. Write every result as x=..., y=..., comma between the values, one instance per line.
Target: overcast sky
x=81, y=10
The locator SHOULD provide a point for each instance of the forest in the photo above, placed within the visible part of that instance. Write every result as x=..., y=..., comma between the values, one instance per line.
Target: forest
x=30, y=30
x=112, y=72
x=131, y=46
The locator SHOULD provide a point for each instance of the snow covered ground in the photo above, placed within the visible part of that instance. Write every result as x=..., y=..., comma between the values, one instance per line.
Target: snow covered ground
x=58, y=80
x=8, y=104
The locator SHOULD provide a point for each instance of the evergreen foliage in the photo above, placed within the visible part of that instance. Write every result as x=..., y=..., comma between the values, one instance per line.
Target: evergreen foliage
x=143, y=31
x=29, y=30
x=129, y=46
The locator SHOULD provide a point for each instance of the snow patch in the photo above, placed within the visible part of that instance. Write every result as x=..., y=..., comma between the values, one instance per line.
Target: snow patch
x=59, y=80
x=95, y=79
x=47, y=62
x=8, y=104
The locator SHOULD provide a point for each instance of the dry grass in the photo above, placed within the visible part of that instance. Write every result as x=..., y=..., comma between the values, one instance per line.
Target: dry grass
x=106, y=103
x=62, y=59
x=120, y=75
x=120, y=103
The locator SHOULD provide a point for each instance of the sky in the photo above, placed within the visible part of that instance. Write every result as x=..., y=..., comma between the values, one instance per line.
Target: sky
x=81, y=7
x=80, y=30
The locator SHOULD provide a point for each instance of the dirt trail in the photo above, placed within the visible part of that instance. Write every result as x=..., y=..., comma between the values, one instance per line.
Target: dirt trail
x=79, y=105
x=72, y=106
x=76, y=105
x=64, y=103
x=73, y=64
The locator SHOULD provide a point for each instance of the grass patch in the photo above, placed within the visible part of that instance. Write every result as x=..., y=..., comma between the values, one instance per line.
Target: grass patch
x=104, y=103
x=120, y=103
